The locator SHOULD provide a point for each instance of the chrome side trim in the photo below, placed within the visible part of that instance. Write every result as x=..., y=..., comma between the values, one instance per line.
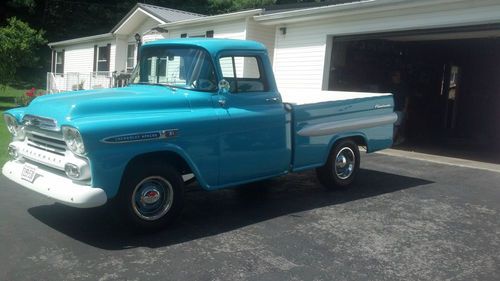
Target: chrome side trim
x=378, y=106
x=141, y=136
x=354, y=124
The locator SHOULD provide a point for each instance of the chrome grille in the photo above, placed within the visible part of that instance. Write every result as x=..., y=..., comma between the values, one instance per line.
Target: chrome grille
x=46, y=143
x=42, y=133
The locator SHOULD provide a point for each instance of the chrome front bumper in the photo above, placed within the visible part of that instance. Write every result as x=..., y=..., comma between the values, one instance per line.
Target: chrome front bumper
x=58, y=187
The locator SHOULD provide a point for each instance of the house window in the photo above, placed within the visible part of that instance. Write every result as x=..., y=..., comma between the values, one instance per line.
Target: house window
x=59, y=65
x=103, y=59
x=208, y=34
x=130, y=57
x=244, y=73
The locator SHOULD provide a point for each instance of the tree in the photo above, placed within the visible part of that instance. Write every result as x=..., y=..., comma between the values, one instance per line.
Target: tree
x=18, y=48
x=226, y=6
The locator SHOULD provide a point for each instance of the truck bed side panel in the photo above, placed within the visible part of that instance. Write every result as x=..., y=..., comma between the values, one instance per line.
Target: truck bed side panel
x=317, y=127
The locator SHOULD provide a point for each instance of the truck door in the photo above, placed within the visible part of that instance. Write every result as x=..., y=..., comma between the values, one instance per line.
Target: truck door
x=252, y=120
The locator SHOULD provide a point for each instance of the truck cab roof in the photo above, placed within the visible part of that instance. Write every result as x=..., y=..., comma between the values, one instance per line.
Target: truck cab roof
x=212, y=45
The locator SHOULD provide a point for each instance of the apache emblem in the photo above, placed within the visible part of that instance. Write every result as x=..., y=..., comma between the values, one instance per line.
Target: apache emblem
x=145, y=136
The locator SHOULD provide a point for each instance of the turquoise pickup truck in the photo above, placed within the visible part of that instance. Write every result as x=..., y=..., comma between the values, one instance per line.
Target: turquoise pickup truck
x=196, y=109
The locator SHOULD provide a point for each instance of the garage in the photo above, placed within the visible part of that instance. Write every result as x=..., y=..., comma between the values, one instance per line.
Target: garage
x=446, y=80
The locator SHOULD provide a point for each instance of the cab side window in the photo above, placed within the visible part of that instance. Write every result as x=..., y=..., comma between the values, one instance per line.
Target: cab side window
x=244, y=73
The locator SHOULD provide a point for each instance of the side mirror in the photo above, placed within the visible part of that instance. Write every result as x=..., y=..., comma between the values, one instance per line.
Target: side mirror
x=224, y=87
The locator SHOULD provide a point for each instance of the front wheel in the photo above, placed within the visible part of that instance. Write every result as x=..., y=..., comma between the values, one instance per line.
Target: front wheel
x=151, y=197
x=341, y=167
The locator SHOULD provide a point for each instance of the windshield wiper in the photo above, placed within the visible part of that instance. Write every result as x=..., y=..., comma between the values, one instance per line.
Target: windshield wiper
x=155, y=84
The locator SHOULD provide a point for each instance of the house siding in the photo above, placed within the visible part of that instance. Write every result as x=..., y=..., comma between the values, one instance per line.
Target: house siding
x=154, y=35
x=112, y=56
x=263, y=34
x=231, y=30
x=299, y=56
x=80, y=57
x=145, y=31
x=121, y=54
x=78, y=66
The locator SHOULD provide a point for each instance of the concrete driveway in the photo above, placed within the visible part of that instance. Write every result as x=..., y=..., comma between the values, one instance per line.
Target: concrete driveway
x=403, y=220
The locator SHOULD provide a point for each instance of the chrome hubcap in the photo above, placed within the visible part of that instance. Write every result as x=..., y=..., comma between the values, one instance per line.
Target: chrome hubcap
x=152, y=198
x=344, y=163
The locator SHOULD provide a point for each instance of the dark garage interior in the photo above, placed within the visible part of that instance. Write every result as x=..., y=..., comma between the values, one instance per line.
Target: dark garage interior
x=452, y=81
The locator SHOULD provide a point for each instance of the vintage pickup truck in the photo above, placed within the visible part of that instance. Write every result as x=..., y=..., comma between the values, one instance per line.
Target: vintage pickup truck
x=206, y=108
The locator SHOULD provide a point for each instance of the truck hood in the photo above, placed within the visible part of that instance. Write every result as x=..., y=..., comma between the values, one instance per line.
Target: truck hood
x=133, y=99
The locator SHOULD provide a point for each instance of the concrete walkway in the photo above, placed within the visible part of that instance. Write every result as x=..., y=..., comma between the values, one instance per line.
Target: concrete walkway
x=442, y=160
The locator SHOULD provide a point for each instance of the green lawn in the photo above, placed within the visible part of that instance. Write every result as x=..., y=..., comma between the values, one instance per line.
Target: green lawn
x=7, y=101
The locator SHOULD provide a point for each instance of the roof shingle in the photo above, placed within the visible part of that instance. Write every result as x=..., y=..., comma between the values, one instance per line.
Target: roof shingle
x=168, y=14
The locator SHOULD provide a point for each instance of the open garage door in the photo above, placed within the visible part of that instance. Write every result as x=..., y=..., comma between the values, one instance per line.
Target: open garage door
x=451, y=79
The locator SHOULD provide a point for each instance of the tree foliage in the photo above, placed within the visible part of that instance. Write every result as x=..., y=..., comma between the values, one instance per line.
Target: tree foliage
x=18, y=48
x=225, y=6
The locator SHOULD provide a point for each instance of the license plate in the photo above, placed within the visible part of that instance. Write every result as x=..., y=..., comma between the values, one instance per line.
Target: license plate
x=29, y=173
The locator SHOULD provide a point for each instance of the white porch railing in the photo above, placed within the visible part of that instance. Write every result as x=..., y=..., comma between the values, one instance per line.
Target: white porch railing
x=73, y=81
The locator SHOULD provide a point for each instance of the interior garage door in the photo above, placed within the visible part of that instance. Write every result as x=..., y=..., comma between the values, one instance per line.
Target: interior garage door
x=451, y=79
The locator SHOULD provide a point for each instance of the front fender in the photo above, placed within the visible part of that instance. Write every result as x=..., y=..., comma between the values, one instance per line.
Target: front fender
x=108, y=166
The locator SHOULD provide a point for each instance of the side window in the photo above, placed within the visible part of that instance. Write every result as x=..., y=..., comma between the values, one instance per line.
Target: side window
x=244, y=73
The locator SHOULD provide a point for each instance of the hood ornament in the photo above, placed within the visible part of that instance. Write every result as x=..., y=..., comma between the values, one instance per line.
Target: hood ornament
x=40, y=122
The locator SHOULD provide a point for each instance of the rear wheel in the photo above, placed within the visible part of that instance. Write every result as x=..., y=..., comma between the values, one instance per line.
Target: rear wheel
x=341, y=167
x=151, y=197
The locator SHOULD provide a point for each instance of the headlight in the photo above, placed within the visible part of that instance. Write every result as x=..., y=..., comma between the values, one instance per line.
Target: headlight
x=14, y=127
x=73, y=140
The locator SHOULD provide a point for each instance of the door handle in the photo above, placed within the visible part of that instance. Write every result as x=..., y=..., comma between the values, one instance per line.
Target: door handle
x=272, y=99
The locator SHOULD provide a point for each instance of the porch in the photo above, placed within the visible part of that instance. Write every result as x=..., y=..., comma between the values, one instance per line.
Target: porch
x=74, y=81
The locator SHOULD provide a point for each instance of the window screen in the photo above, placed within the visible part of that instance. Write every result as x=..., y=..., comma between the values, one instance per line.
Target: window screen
x=102, y=59
x=59, y=62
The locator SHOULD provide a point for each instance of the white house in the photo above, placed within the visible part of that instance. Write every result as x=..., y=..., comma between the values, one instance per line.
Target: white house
x=298, y=39
x=447, y=51
x=88, y=62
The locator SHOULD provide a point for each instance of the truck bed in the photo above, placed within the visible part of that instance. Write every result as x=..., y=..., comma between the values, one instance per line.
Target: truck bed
x=310, y=97
x=319, y=118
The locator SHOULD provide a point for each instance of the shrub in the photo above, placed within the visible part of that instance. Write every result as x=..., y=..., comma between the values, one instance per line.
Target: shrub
x=30, y=95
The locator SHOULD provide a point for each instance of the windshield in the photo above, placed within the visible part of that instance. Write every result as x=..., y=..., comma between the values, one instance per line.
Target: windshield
x=181, y=67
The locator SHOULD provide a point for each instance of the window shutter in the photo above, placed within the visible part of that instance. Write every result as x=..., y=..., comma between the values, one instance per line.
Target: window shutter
x=95, y=58
x=108, y=49
x=53, y=66
x=184, y=35
x=62, y=68
x=209, y=34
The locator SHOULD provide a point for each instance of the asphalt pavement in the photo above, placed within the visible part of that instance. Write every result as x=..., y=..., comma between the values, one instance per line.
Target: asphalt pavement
x=403, y=219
